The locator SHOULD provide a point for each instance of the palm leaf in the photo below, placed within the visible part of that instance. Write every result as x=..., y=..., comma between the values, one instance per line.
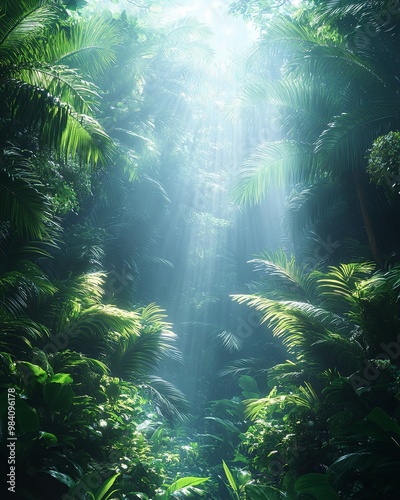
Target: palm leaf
x=88, y=44
x=323, y=56
x=337, y=287
x=306, y=397
x=53, y=99
x=68, y=361
x=289, y=373
x=26, y=286
x=283, y=275
x=170, y=400
x=18, y=335
x=248, y=366
x=275, y=163
x=135, y=356
x=309, y=205
x=359, y=126
x=22, y=202
x=22, y=22
x=229, y=341
x=302, y=103
x=255, y=406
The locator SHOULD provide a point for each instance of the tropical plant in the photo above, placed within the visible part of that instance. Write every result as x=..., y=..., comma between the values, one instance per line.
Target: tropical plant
x=383, y=166
x=320, y=396
x=42, y=90
x=327, y=132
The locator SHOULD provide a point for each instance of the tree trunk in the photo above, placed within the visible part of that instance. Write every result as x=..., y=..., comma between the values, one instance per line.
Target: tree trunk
x=367, y=220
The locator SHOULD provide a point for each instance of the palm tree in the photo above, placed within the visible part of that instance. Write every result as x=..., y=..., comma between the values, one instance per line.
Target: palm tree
x=41, y=90
x=338, y=327
x=335, y=98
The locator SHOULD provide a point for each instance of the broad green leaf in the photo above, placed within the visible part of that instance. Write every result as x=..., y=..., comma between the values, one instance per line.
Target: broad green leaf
x=249, y=387
x=61, y=378
x=58, y=396
x=31, y=371
x=49, y=438
x=316, y=485
x=63, y=478
x=105, y=487
x=381, y=418
x=184, y=482
x=351, y=462
x=27, y=418
x=256, y=492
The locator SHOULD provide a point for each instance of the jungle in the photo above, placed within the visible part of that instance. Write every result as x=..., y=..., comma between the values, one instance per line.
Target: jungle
x=199, y=249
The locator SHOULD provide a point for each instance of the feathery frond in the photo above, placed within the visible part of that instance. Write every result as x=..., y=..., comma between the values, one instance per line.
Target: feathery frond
x=170, y=400
x=283, y=276
x=22, y=201
x=276, y=163
x=337, y=287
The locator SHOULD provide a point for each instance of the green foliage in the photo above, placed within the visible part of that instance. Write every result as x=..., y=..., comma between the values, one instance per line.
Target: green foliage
x=78, y=255
x=315, y=486
x=40, y=84
x=182, y=488
x=271, y=164
x=231, y=480
x=318, y=409
x=383, y=161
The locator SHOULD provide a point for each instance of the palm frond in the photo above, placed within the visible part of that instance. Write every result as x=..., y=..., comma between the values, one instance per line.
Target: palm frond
x=82, y=138
x=338, y=286
x=60, y=126
x=345, y=8
x=99, y=320
x=307, y=205
x=153, y=319
x=283, y=37
x=24, y=286
x=337, y=63
x=69, y=361
x=255, y=406
x=65, y=87
x=283, y=276
x=137, y=354
x=19, y=334
x=187, y=34
x=275, y=163
x=304, y=104
x=88, y=44
x=309, y=332
x=289, y=373
x=42, y=91
x=306, y=397
x=229, y=341
x=248, y=366
x=170, y=400
x=323, y=56
x=22, y=202
x=22, y=23
x=360, y=126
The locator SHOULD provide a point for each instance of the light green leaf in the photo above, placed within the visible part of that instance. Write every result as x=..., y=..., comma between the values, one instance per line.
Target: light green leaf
x=230, y=478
